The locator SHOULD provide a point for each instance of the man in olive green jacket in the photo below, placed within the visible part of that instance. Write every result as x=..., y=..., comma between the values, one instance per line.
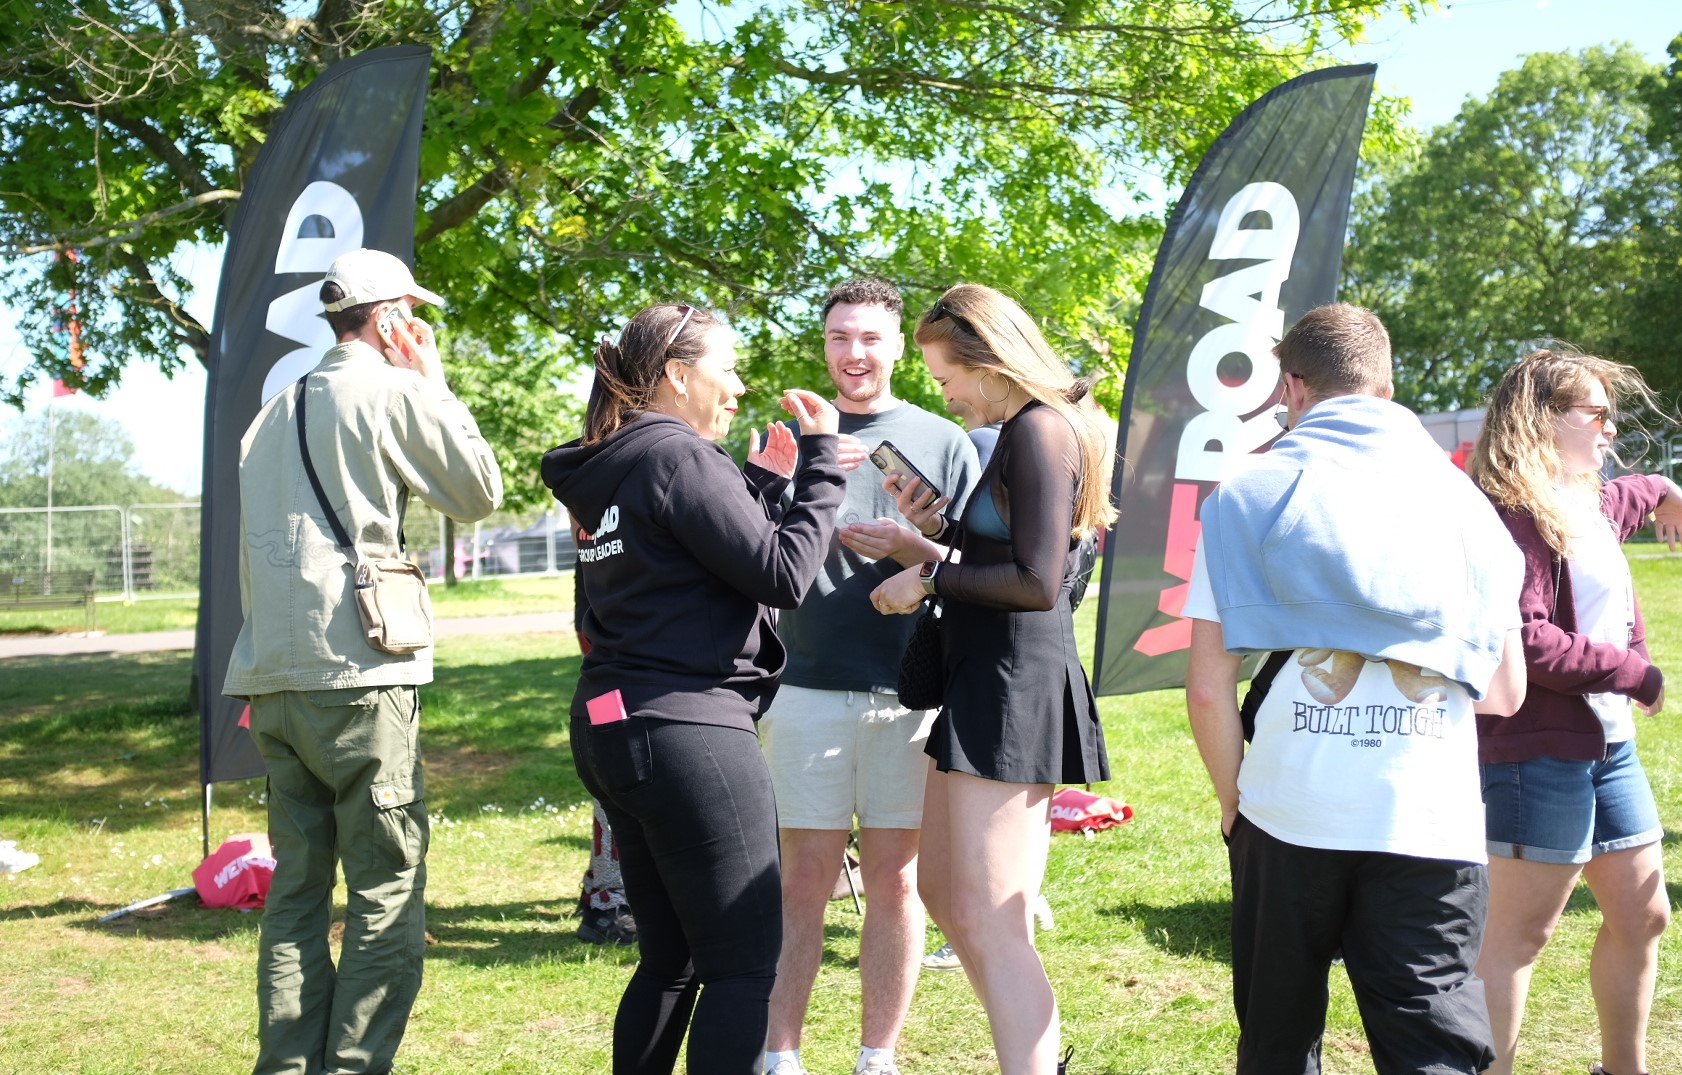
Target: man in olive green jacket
x=337, y=720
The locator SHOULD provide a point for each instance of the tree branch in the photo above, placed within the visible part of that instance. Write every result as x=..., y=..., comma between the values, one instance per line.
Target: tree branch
x=189, y=332
x=454, y=211
x=885, y=78
x=457, y=210
x=84, y=238
x=1213, y=29
x=164, y=148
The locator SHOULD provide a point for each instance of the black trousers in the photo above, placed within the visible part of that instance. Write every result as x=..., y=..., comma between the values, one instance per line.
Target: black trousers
x=696, y=824
x=1409, y=929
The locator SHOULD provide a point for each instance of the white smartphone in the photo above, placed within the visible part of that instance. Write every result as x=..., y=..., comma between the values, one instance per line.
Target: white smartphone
x=889, y=460
x=395, y=314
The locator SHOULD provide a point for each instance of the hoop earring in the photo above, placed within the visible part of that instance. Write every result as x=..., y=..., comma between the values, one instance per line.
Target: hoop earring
x=683, y=399
x=982, y=387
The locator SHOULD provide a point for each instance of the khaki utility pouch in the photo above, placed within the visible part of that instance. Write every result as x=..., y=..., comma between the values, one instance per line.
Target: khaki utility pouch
x=396, y=608
x=391, y=594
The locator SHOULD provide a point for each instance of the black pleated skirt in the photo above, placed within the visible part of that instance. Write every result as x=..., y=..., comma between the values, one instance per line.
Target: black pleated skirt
x=1019, y=707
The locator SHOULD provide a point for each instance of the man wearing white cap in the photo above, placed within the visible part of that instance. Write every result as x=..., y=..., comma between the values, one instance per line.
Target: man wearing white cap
x=326, y=472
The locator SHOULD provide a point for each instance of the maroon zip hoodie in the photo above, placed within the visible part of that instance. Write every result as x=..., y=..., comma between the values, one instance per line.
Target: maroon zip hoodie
x=1555, y=720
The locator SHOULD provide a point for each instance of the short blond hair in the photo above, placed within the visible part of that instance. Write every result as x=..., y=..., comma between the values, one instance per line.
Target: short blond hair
x=1338, y=350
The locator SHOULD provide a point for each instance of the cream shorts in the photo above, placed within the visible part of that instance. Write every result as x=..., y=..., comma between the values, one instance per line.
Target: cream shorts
x=836, y=754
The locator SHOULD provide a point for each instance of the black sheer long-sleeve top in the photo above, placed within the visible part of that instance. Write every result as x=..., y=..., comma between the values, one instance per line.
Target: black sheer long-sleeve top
x=1017, y=534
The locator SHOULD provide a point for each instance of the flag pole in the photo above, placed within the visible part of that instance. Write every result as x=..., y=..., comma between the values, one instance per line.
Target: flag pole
x=52, y=438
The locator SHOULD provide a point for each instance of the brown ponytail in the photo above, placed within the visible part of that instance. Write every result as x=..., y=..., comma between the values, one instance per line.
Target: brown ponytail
x=629, y=372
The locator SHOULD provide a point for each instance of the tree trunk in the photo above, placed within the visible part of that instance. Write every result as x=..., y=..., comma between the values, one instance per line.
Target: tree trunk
x=449, y=552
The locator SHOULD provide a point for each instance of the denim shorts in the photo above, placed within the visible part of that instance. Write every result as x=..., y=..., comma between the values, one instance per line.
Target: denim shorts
x=1555, y=810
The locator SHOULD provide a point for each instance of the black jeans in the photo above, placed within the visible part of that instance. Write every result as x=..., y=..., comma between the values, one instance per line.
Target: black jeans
x=1409, y=928
x=693, y=814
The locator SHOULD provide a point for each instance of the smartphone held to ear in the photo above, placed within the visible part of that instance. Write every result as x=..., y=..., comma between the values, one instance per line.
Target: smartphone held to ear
x=398, y=313
x=889, y=461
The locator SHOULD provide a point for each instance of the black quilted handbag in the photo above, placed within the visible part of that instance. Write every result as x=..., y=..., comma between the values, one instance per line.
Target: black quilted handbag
x=922, y=671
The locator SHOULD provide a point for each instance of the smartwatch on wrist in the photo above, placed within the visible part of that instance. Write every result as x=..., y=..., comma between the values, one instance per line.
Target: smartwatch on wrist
x=925, y=575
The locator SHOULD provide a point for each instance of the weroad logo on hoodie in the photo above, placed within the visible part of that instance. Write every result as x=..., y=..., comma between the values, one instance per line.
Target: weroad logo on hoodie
x=598, y=549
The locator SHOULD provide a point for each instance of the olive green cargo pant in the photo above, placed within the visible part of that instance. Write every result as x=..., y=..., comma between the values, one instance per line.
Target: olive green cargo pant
x=344, y=786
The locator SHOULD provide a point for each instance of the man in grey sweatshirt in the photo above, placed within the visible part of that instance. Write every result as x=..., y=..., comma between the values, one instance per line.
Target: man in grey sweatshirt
x=838, y=743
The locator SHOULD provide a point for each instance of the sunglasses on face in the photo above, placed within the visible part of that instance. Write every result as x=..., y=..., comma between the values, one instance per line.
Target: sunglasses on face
x=1600, y=416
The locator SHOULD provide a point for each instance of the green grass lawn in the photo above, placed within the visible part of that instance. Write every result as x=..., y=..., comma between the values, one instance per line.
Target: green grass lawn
x=487, y=597
x=98, y=774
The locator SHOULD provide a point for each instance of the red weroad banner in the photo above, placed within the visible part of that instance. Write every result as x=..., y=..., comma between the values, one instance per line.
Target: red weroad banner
x=1256, y=240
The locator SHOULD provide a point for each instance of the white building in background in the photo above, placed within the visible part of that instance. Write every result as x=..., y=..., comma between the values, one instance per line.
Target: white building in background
x=1455, y=431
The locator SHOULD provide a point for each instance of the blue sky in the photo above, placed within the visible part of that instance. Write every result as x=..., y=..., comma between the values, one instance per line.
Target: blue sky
x=1438, y=62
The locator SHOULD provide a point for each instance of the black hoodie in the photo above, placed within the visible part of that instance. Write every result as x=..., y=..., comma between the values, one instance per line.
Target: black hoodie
x=681, y=554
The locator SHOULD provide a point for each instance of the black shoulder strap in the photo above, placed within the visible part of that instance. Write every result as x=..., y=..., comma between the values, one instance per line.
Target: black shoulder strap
x=315, y=483
x=1260, y=684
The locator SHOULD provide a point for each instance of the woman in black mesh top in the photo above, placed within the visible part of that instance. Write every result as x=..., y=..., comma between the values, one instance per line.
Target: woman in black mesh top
x=1019, y=716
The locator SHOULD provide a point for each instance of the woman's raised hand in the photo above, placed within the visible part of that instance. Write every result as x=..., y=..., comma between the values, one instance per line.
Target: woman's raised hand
x=814, y=413
x=778, y=453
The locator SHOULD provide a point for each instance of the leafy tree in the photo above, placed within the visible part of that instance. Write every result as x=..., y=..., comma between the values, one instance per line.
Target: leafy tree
x=92, y=463
x=1655, y=297
x=1517, y=223
x=584, y=157
x=517, y=400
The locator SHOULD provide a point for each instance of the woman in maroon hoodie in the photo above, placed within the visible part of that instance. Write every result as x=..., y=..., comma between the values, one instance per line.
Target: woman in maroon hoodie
x=1564, y=792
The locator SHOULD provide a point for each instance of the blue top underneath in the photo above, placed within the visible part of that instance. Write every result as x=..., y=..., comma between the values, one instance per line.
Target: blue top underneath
x=983, y=518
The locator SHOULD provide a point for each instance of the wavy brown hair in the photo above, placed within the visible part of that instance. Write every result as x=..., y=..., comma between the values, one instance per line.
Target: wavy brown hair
x=1516, y=461
x=983, y=329
x=629, y=372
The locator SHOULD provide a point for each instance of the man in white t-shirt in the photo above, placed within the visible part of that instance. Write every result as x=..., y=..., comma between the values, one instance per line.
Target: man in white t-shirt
x=1389, y=592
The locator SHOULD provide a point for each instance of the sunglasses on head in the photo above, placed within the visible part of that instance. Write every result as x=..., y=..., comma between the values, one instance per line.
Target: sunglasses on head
x=688, y=312
x=941, y=311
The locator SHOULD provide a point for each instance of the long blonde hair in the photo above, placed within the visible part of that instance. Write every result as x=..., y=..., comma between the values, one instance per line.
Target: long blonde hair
x=1516, y=461
x=983, y=329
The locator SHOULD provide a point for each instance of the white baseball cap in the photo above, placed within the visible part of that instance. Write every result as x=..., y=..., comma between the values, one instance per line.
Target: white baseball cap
x=374, y=276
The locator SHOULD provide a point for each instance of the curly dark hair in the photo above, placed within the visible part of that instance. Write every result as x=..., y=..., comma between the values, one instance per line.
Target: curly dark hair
x=862, y=291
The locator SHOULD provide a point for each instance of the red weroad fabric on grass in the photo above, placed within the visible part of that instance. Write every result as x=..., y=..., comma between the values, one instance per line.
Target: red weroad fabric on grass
x=1074, y=809
x=238, y=873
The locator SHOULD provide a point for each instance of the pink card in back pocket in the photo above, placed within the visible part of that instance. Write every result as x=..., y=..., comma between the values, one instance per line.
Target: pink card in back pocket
x=606, y=708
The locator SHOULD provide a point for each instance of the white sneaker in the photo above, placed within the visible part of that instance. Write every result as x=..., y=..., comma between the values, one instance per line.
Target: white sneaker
x=874, y=1066
x=942, y=958
x=14, y=861
x=786, y=1067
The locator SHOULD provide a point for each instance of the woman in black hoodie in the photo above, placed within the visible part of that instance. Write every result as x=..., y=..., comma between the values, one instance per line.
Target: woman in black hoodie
x=682, y=555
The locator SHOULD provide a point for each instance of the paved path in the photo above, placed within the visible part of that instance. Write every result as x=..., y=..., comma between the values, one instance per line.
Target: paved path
x=154, y=641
